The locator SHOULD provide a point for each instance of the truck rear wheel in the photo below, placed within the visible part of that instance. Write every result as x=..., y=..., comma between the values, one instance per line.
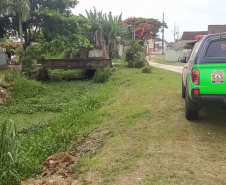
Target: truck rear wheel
x=190, y=114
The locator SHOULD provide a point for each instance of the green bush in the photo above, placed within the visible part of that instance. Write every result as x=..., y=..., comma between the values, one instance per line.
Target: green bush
x=139, y=60
x=102, y=75
x=29, y=57
x=134, y=55
x=9, y=154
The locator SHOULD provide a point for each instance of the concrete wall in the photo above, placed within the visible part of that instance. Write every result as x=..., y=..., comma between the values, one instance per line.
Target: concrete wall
x=173, y=55
x=96, y=53
x=120, y=49
x=3, y=60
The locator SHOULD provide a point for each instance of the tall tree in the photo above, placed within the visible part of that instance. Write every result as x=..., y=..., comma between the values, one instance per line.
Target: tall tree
x=22, y=8
x=105, y=30
x=33, y=26
x=144, y=28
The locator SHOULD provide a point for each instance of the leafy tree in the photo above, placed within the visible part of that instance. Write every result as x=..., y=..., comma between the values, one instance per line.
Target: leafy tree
x=33, y=26
x=61, y=33
x=4, y=23
x=144, y=28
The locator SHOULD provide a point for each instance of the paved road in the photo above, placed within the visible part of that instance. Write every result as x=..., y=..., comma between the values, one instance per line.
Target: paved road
x=177, y=69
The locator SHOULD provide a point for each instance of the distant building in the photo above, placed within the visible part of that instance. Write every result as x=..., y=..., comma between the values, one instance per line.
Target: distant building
x=188, y=37
x=156, y=45
x=212, y=29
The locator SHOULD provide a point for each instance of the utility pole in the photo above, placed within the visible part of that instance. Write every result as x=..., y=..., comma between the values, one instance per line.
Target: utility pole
x=176, y=32
x=163, y=34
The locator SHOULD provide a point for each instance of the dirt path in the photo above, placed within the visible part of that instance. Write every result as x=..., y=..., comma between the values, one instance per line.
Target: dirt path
x=177, y=69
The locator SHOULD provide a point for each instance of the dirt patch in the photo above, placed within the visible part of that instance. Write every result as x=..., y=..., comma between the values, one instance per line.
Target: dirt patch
x=57, y=168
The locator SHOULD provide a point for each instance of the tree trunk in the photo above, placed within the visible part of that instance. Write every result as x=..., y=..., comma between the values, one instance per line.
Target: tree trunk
x=107, y=49
x=20, y=30
x=26, y=44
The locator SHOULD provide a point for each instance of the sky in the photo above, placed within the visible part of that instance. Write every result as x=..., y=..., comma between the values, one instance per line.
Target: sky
x=180, y=15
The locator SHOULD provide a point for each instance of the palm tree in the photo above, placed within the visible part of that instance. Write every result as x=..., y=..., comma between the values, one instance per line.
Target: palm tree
x=106, y=29
x=21, y=8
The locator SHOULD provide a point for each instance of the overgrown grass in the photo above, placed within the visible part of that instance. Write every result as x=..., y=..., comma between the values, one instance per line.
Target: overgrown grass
x=55, y=115
x=102, y=75
x=9, y=154
x=59, y=75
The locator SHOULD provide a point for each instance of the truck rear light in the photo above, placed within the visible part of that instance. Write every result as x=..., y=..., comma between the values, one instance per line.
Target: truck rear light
x=198, y=37
x=196, y=92
x=195, y=76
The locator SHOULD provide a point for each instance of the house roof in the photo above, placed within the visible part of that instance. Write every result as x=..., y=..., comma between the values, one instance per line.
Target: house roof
x=216, y=29
x=160, y=40
x=190, y=35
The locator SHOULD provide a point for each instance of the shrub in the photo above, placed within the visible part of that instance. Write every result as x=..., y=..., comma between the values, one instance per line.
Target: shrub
x=29, y=57
x=147, y=69
x=102, y=75
x=139, y=60
x=9, y=154
x=134, y=55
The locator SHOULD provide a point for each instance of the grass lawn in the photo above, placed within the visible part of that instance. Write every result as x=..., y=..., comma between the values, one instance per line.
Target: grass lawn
x=161, y=59
x=152, y=142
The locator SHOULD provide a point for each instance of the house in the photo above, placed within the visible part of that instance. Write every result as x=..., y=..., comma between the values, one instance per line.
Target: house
x=188, y=37
x=156, y=45
x=216, y=29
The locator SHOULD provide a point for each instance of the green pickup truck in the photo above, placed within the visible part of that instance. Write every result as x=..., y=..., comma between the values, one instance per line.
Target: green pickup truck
x=203, y=76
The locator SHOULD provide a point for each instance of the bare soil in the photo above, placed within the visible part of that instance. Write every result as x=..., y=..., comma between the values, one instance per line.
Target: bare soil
x=57, y=168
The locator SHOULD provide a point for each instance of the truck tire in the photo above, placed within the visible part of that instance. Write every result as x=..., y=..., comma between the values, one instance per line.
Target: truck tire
x=190, y=114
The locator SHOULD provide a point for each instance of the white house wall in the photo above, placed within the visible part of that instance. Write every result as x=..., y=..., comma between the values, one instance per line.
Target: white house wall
x=172, y=55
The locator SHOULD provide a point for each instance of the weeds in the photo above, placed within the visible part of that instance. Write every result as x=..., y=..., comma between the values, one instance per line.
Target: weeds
x=9, y=154
x=12, y=75
x=65, y=75
x=102, y=75
x=75, y=104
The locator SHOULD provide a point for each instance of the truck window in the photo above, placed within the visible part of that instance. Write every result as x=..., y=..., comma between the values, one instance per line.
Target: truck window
x=217, y=49
x=194, y=51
